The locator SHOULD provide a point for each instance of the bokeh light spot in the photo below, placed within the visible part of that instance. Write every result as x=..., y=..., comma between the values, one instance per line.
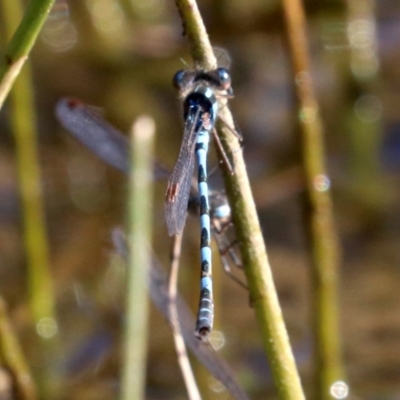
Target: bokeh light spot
x=339, y=390
x=47, y=328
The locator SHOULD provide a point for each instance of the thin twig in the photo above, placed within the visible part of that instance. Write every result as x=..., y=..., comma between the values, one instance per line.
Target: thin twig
x=21, y=43
x=140, y=202
x=183, y=359
x=263, y=295
x=318, y=209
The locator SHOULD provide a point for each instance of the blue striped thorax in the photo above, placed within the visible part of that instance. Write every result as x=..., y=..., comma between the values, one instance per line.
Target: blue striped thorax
x=203, y=100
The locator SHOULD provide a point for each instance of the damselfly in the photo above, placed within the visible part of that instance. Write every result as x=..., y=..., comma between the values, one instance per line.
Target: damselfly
x=113, y=148
x=200, y=91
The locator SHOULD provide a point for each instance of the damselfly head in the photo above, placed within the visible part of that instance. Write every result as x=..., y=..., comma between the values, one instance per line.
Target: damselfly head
x=219, y=79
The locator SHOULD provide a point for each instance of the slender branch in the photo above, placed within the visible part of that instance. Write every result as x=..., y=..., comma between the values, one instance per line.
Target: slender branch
x=140, y=202
x=180, y=348
x=318, y=209
x=263, y=295
x=21, y=44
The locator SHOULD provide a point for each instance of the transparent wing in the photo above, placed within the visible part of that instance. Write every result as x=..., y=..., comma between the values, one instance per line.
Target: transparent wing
x=179, y=183
x=99, y=136
x=223, y=58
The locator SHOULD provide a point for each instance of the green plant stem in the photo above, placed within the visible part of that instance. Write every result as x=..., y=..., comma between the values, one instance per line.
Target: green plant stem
x=40, y=282
x=22, y=42
x=23, y=121
x=325, y=249
x=362, y=73
x=13, y=358
x=262, y=290
x=140, y=205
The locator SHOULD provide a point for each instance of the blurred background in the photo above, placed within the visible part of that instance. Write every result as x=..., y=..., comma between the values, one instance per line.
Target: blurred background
x=119, y=56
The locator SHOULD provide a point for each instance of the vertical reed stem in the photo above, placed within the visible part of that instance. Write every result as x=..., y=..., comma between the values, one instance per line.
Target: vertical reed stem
x=140, y=205
x=364, y=112
x=23, y=122
x=325, y=251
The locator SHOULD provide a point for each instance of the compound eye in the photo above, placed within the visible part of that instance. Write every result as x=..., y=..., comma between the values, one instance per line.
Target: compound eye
x=178, y=79
x=224, y=78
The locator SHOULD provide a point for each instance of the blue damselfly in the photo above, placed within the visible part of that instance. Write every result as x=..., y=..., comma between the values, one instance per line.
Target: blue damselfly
x=200, y=91
x=113, y=147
